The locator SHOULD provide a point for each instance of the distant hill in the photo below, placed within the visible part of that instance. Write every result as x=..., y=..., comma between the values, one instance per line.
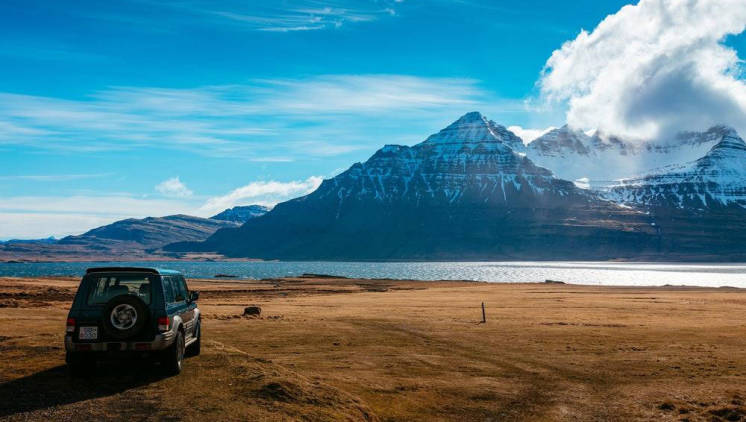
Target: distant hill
x=241, y=214
x=122, y=239
x=47, y=241
x=147, y=233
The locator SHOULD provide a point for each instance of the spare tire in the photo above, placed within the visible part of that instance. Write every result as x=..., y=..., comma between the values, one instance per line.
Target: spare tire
x=125, y=316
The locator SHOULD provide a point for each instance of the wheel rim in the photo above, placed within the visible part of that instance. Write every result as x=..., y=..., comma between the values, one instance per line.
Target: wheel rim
x=123, y=316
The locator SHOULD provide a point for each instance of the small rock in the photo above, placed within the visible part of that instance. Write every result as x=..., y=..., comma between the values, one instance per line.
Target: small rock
x=252, y=311
x=667, y=406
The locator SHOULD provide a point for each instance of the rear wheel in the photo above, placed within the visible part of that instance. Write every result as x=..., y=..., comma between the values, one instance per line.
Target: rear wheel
x=173, y=359
x=193, y=349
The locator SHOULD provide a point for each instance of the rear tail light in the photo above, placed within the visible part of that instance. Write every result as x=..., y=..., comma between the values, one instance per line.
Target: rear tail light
x=71, y=325
x=163, y=324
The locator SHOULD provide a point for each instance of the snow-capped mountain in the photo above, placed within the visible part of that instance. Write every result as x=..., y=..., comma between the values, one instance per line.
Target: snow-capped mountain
x=463, y=193
x=241, y=214
x=718, y=179
x=599, y=159
x=472, y=160
x=473, y=128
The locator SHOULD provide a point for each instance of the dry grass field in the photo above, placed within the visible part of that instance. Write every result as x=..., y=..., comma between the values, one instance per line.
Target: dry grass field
x=343, y=349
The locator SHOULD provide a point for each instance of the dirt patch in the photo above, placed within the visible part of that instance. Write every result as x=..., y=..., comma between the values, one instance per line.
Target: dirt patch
x=583, y=324
x=50, y=294
x=729, y=413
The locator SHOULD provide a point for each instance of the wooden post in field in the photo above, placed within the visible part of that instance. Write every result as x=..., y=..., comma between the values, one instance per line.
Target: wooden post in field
x=484, y=316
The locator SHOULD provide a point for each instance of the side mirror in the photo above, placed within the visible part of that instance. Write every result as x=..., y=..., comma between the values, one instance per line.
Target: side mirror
x=193, y=296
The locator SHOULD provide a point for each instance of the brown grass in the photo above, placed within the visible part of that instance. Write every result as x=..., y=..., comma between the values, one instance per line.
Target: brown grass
x=341, y=349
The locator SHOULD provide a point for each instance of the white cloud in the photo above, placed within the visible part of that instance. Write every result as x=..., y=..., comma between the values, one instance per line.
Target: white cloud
x=290, y=118
x=38, y=226
x=652, y=68
x=299, y=15
x=528, y=135
x=173, y=188
x=42, y=216
x=55, y=177
x=262, y=193
x=108, y=205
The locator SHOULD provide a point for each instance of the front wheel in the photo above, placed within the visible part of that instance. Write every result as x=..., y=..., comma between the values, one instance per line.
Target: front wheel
x=173, y=359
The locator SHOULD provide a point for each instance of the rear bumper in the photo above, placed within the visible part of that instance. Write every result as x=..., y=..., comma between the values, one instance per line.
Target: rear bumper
x=160, y=342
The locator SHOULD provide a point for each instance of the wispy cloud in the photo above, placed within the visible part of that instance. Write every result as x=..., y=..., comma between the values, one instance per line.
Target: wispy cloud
x=262, y=193
x=311, y=117
x=42, y=216
x=54, y=177
x=272, y=16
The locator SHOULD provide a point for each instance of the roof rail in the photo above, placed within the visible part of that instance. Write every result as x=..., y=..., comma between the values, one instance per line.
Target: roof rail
x=121, y=269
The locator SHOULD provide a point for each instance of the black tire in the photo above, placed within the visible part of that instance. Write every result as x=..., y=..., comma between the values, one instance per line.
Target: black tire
x=173, y=356
x=194, y=348
x=136, y=305
x=79, y=367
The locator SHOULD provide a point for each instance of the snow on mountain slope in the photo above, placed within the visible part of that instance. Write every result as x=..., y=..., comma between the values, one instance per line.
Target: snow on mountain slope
x=463, y=193
x=717, y=179
x=474, y=128
x=571, y=154
x=472, y=160
x=241, y=214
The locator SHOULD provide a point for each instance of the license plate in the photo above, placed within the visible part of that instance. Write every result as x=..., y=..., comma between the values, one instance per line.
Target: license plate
x=88, y=333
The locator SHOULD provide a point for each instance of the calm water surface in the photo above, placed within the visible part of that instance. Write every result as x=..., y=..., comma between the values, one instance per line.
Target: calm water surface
x=598, y=273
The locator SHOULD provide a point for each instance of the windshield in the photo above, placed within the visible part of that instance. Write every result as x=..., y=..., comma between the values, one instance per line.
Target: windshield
x=106, y=286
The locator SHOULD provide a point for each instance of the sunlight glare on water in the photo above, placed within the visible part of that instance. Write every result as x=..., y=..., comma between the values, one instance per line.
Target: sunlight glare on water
x=595, y=273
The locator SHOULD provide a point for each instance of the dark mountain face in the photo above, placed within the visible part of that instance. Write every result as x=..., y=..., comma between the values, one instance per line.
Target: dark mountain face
x=130, y=238
x=46, y=241
x=147, y=233
x=464, y=193
x=241, y=214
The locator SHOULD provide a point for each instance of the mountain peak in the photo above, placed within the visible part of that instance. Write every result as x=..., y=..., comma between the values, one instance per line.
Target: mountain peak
x=241, y=214
x=471, y=117
x=475, y=128
x=729, y=139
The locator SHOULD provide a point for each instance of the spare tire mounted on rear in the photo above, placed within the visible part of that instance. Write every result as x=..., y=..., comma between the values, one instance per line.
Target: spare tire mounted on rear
x=124, y=316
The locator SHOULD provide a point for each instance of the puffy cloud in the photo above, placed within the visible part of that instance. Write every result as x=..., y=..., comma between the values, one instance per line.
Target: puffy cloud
x=652, y=68
x=262, y=193
x=528, y=135
x=173, y=188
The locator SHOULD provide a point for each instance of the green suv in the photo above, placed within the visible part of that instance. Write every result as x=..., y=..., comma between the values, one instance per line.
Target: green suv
x=132, y=312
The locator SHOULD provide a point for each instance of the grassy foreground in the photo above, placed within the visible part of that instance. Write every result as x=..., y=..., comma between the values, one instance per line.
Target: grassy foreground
x=343, y=349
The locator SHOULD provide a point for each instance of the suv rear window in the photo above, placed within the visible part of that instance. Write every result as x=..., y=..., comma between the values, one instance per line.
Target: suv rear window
x=105, y=287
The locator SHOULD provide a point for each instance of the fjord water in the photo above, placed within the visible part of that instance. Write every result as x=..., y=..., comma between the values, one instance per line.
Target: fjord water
x=594, y=273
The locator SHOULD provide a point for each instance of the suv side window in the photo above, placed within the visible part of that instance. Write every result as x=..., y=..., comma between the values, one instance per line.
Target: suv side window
x=180, y=288
x=168, y=289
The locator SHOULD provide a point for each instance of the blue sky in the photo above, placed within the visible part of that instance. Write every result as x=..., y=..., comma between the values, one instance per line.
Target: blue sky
x=145, y=107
